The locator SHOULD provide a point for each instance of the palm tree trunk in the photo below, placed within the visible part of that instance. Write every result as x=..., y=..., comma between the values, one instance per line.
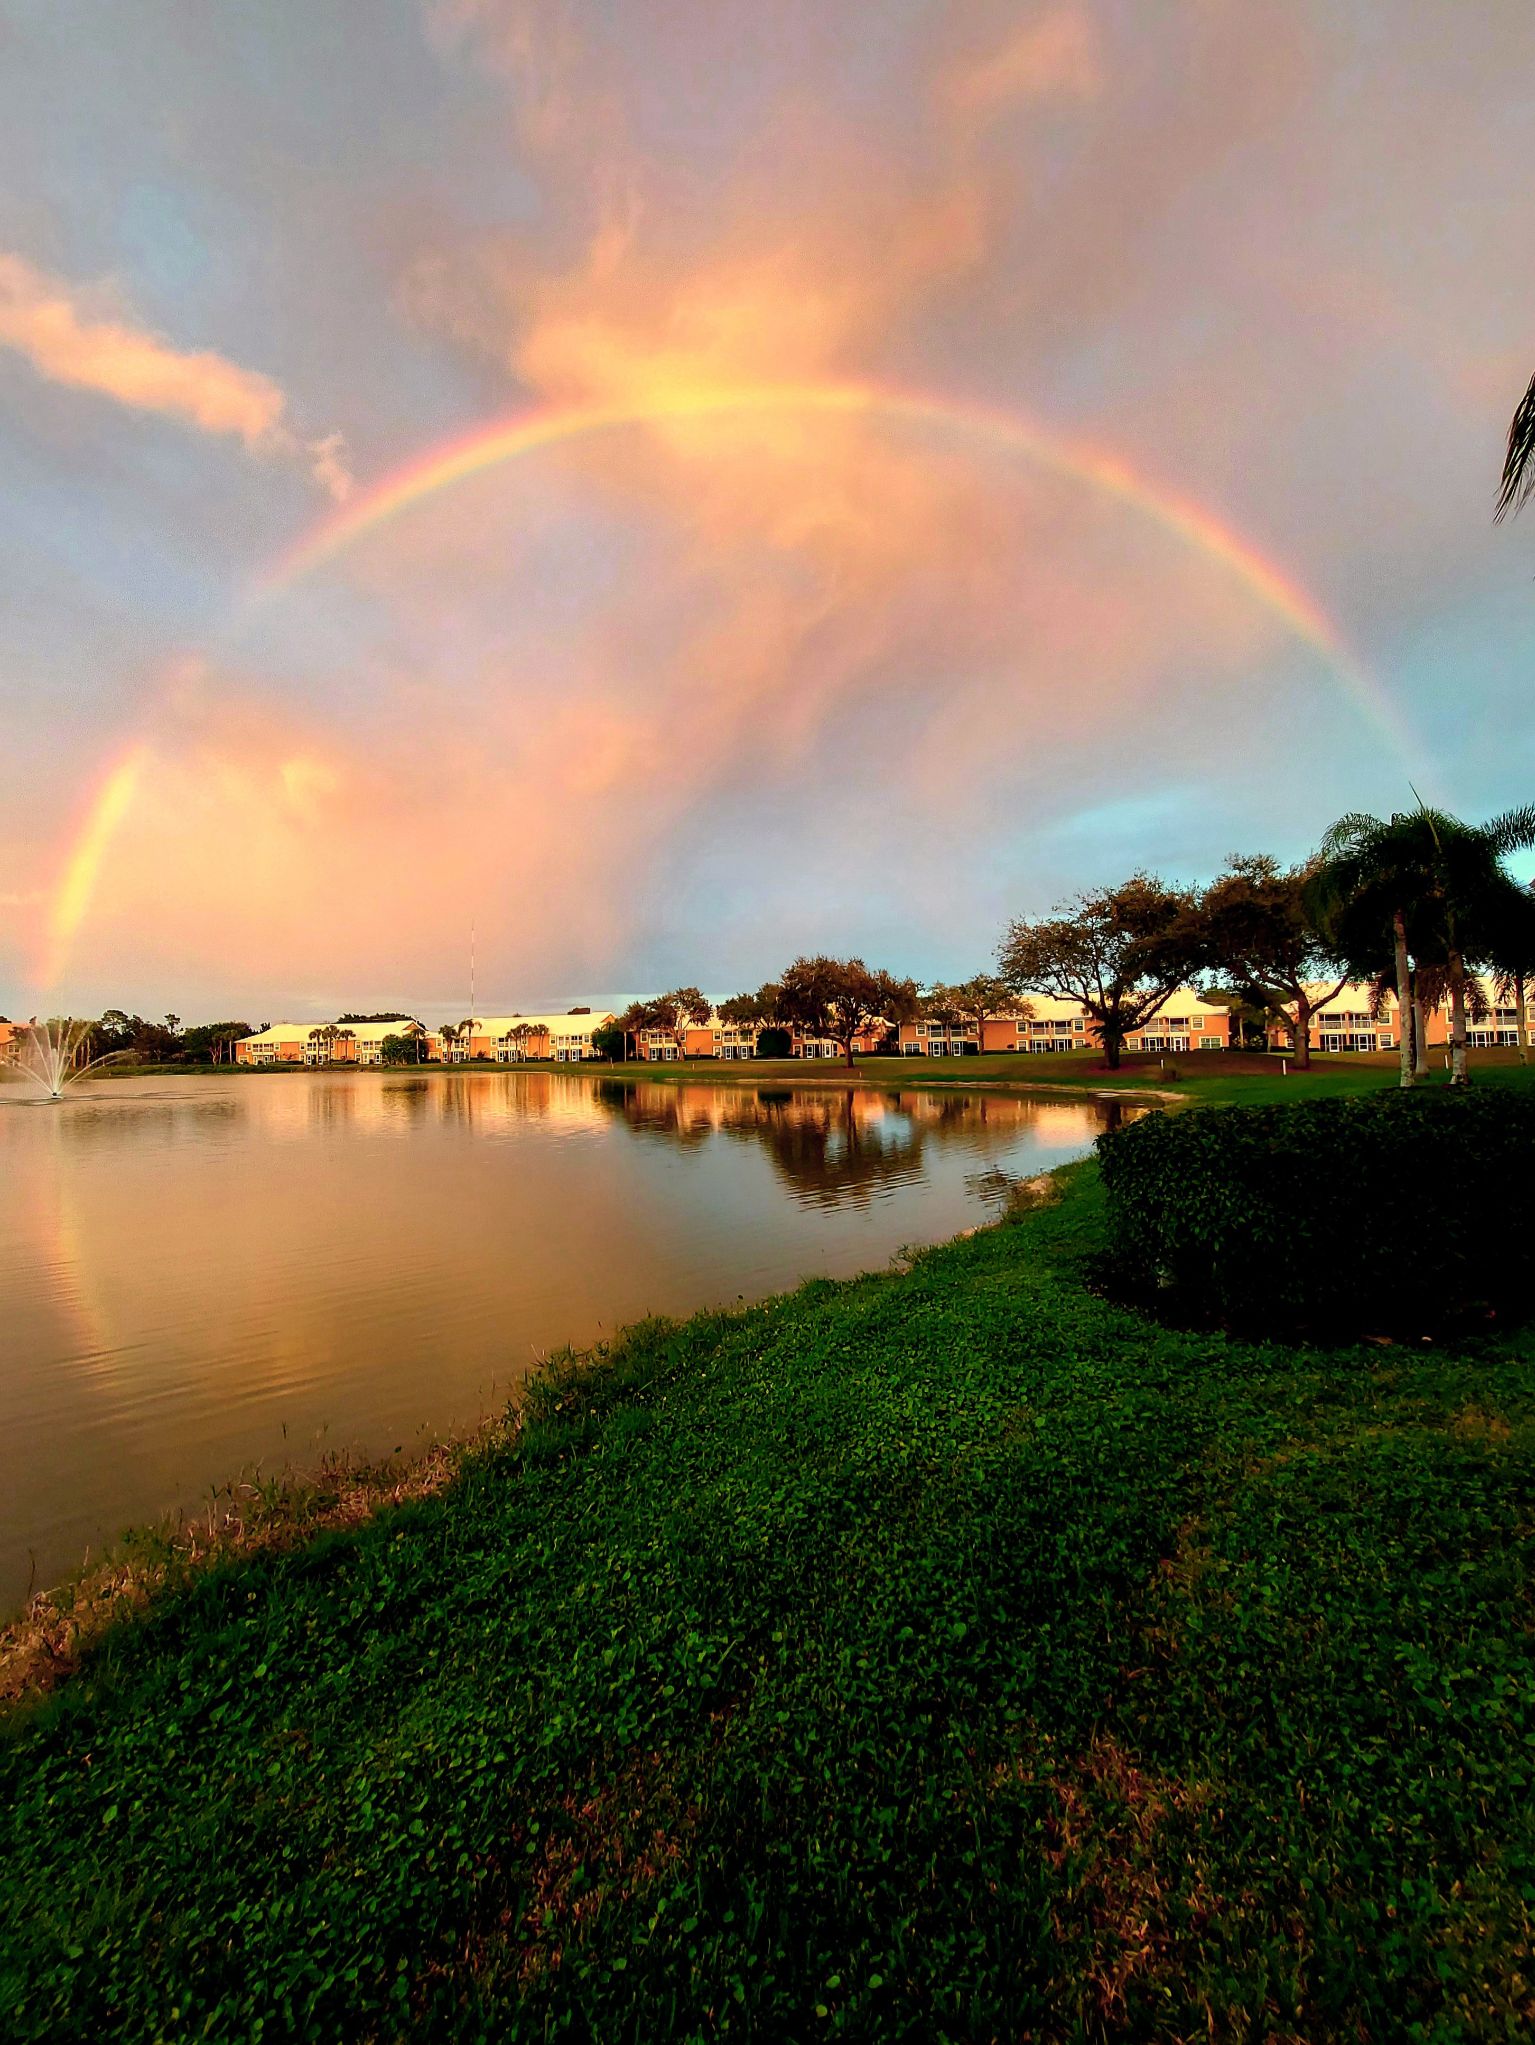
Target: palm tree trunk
x=1522, y=1019
x=1403, y=998
x=1419, y=1032
x=1458, y=1073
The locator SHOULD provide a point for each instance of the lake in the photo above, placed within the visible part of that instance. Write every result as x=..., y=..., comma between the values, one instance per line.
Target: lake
x=200, y=1276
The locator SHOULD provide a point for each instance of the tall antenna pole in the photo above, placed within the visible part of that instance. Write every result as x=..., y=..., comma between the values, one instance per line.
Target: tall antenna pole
x=471, y=969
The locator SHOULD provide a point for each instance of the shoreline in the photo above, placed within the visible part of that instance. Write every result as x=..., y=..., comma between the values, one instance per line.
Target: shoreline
x=44, y=1642
x=914, y=1608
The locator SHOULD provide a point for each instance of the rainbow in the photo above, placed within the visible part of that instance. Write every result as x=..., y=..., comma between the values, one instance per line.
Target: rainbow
x=82, y=866
x=1094, y=468
x=487, y=447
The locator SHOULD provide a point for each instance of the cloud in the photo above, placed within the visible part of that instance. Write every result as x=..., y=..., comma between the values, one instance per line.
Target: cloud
x=78, y=339
x=1054, y=56
x=785, y=667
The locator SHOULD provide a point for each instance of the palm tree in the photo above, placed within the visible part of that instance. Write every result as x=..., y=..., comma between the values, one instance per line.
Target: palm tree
x=1513, y=963
x=1519, y=460
x=1433, y=889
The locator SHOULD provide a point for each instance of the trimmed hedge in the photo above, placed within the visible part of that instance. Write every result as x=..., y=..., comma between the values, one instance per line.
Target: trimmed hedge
x=1401, y=1212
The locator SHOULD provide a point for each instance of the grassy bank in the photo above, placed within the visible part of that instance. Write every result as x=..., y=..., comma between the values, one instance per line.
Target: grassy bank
x=944, y=1654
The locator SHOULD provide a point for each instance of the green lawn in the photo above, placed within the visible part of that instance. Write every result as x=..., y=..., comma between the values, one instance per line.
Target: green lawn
x=947, y=1654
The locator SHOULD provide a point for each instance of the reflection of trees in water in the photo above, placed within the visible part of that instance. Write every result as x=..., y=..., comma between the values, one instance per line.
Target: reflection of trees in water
x=833, y=1145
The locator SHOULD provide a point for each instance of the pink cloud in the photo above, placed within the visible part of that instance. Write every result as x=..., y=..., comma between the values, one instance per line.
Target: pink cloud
x=71, y=339
x=1053, y=56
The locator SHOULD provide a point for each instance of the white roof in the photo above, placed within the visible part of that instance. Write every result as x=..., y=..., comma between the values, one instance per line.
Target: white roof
x=282, y=1033
x=375, y=1032
x=556, y=1025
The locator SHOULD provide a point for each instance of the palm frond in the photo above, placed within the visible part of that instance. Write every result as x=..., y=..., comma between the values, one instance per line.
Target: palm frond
x=1349, y=831
x=1512, y=831
x=1519, y=461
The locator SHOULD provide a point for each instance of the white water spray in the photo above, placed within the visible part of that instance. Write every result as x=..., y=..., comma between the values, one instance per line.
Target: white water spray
x=53, y=1056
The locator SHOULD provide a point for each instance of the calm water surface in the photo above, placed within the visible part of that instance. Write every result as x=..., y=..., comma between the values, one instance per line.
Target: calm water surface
x=202, y=1276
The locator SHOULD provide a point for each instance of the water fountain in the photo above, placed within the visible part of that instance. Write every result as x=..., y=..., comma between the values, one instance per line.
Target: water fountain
x=52, y=1056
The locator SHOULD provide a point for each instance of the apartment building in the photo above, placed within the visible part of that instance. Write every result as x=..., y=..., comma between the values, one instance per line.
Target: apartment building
x=1186, y=1021
x=509, y=1039
x=717, y=1039
x=367, y=1039
x=283, y=1043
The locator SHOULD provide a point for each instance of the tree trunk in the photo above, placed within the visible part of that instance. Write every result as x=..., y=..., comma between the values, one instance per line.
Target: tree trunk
x=1522, y=1019
x=1300, y=1035
x=847, y=1045
x=1111, y=1049
x=1419, y=1034
x=1403, y=998
x=1458, y=1073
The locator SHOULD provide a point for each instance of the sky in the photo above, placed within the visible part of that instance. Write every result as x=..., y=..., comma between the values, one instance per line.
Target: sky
x=630, y=492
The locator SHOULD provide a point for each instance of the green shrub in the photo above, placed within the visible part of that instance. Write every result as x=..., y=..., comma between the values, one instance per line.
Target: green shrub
x=1397, y=1212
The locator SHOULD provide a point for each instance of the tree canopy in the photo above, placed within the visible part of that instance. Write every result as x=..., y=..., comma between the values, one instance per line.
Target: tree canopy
x=1118, y=952
x=841, y=998
x=1260, y=932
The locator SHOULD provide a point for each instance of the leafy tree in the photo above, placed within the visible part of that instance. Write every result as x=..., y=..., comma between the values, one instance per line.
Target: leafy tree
x=761, y=1007
x=609, y=1042
x=1433, y=888
x=757, y=1012
x=1260, y=931
x=684, y=1008
x=202, y=1042
x=636, y=1019
x=153, y=1043
x=774, y=1041
x=1118, y=952
x=840, y=998
x=114, y=1032
x=979, y=1001
x=386, y=1015
x=397, y=1050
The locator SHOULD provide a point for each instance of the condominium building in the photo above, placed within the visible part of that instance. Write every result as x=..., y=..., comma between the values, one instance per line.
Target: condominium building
x=284, y=1043
x=509, y=1039
x=1186, y=1021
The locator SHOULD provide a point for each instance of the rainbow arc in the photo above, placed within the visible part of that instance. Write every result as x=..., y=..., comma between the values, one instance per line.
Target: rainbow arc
x=441, y=468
